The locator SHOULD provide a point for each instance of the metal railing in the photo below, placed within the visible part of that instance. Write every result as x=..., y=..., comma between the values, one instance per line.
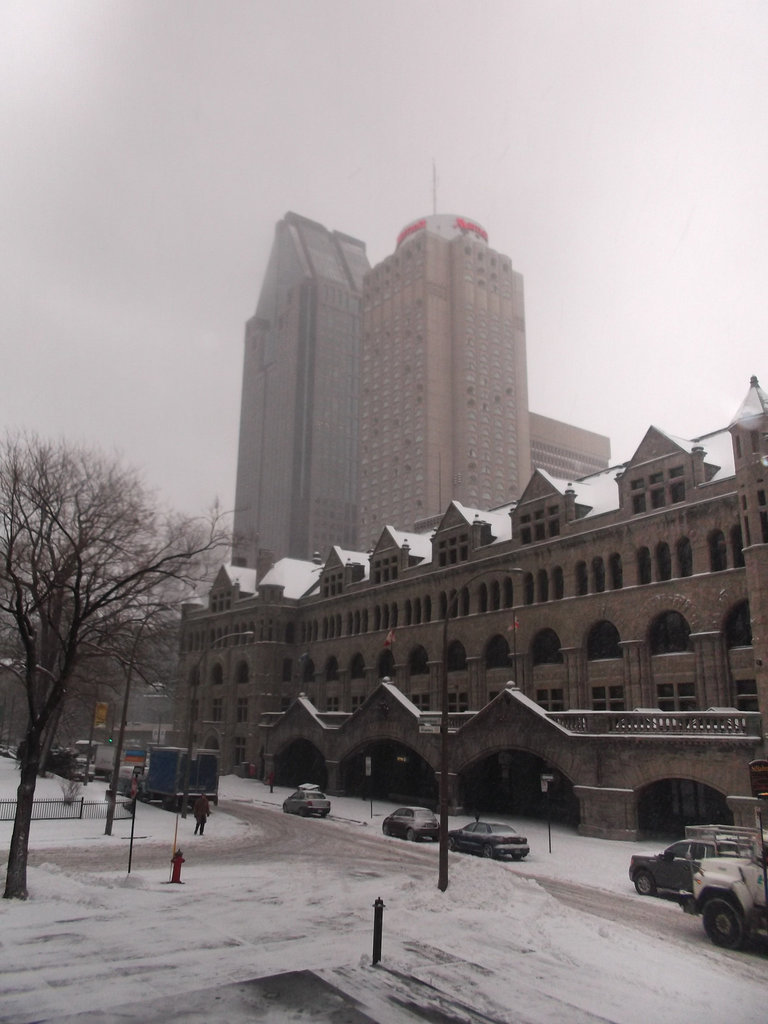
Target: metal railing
x=56, y=809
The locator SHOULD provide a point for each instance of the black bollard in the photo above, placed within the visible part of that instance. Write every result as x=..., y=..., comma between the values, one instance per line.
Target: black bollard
x=378, y=918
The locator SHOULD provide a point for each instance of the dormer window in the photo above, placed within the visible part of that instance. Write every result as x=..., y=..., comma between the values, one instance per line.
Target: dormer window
x=453, y=550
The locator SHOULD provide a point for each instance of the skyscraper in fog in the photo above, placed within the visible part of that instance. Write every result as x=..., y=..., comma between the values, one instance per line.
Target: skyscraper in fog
x=297, y=459
x=443, y=381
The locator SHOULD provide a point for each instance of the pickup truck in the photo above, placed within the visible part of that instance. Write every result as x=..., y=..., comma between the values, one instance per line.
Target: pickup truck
x=670, y=872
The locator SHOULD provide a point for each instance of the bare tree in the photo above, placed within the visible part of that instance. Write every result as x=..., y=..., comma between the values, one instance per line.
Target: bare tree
x=84, y=548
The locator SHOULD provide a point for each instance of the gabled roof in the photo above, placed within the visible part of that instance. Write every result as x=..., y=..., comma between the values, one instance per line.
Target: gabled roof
x=296, y=577
x=754, y=406
x=235, y=576
x=339, y=557
x=391, y=539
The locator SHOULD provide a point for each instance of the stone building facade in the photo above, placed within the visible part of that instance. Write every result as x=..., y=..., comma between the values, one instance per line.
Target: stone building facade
x=611, y=632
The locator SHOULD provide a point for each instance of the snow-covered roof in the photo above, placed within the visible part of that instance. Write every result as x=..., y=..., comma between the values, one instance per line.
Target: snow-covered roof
x=242, y=577
x=295, y=576
x=598, y=492
x=499, y=521
x=419, y=543
x=754, y=405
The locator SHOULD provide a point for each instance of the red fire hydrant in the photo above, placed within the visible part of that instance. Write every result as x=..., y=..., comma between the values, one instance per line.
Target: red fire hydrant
x=176, y=860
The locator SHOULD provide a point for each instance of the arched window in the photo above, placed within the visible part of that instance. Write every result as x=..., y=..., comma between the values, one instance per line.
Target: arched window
x=684, y=557
x=497, y=652
x=242, y=672
x=357, y=666
x=558, y=585
x=217, y=676
x=482, y=598
x=545, y=649
x=386, y=664
x=393, y=614
x=385, y=617
x=669, y=634
x=418, y=662
x=331, y=670
x=542, y=585
x=737, y=547
x=457, y=657
x=495, y=596
x=509, y=593
x=582, y=581
x=643, y=565
x=718, y=553
x=417, y=611
x=408, y=612
x=307, y=669
x=663, y=561
x=427, y=608
x=603, y=641
x=376, y=618
x=528, y=588
x=598, y=575
x=464, y=602
x=738, y=626
x=616, y=570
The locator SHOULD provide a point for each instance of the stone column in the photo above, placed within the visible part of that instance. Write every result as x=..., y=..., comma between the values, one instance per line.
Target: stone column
x=712, y=684
x=609, y=813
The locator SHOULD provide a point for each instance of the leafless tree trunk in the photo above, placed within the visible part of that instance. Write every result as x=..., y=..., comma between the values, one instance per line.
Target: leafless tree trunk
x=84, y=552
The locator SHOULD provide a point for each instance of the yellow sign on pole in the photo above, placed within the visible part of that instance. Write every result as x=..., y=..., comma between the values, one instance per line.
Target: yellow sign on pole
x=100, y=714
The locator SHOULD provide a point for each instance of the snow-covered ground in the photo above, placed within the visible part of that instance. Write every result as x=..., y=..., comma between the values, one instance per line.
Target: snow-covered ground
x=93, y=940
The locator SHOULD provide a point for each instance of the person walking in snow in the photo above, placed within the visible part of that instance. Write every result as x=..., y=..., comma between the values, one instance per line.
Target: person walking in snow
x=201, y=811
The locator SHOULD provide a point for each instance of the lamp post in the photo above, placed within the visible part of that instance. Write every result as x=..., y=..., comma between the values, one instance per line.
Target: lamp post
x=450, y=607
x=193, y=684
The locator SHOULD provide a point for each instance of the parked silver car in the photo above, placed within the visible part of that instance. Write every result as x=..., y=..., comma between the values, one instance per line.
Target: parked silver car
x=307, y=801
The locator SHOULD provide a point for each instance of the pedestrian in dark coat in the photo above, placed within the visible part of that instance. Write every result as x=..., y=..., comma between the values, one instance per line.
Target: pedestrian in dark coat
x=201, y=811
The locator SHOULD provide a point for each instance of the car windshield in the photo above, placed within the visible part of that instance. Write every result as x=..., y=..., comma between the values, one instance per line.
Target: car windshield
x=502, y=830
x=419, y=813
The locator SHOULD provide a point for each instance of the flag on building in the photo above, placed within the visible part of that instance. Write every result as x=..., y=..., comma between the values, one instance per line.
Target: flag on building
x=390, y=638
x=513, y=626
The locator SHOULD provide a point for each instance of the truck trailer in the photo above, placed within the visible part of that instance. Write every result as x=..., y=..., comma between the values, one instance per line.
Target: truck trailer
x=164, y=778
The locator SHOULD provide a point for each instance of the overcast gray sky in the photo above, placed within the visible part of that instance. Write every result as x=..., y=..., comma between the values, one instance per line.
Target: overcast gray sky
x=616, y=151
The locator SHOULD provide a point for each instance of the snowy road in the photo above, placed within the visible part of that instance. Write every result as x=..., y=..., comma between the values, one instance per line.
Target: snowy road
x=274, y=924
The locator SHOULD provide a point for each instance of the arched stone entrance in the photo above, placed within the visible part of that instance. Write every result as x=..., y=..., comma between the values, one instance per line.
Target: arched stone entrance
x=300, y=762
x=398, y=773
x=509, y=782
x=665, y=807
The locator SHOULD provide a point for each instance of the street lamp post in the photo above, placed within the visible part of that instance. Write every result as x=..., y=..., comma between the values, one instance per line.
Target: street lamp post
x=450, y=607
x=193, y=684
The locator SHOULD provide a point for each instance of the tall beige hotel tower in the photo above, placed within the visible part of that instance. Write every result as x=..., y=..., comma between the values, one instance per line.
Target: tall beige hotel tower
x=443, y=381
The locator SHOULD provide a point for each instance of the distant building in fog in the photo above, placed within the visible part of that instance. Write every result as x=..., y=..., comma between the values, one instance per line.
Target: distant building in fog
x=297, y=459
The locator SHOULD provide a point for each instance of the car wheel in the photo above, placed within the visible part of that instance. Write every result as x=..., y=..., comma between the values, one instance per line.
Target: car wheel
x=386, y=829
x=410, y=835
x=285, y=809
x=644, y=883
x=724, y=924
x=488, y=851
x=325, y=814
x=452, y=843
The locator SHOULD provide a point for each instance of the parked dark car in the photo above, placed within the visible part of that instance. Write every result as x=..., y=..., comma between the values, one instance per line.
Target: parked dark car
x=307, y=801
x=489, y=839
x=671, y=871
x=411, y=823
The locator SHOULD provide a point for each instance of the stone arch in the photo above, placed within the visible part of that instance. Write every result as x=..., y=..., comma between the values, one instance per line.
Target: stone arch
x=737, y=627
x=603, y=641
x=418, y=661
x=357, y=666
x=545, y=648
x=456, y=660
x=497, y=652
x=669, y=633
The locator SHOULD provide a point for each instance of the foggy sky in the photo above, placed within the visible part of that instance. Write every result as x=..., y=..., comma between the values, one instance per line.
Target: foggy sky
x=616, y=151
